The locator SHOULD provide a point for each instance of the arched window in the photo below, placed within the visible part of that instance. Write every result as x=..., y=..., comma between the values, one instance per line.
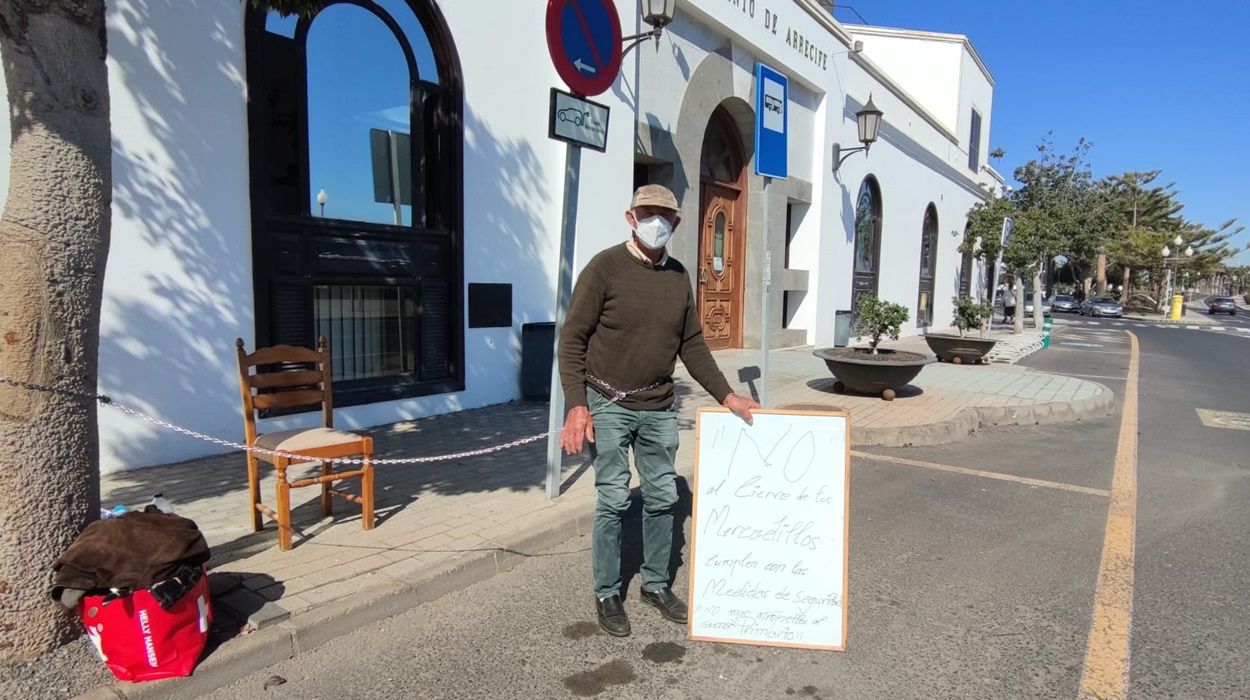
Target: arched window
x=355, y=126
x=965, y=264
x=867, y=227
x=928, y=263
x=721, y=157
x=867, y=240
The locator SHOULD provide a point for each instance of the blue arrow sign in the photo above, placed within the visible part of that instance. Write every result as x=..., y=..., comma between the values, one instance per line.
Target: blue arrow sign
x=584, y=37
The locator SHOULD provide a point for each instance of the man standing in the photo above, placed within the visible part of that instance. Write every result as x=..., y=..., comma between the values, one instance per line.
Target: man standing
x=632, y=315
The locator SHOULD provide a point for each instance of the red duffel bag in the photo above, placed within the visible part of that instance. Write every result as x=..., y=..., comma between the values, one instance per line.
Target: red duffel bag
x=139, y=586
x=140, y=640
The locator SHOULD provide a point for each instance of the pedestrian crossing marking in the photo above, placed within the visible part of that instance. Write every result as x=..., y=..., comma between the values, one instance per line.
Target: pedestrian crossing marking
x=1104, y=325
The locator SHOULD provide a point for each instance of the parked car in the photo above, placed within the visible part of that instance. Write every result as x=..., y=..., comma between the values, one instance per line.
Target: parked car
x=1008, y=305
x=1220, y=304
x=1101, y=306
x=1065, y=303
x=1028, y=304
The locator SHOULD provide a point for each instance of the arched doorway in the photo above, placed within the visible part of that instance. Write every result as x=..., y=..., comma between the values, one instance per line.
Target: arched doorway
x=867, y=241
x=722, y=232
x=928, y=263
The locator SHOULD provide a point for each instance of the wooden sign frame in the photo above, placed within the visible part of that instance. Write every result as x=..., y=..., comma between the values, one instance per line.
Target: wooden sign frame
x=846, y=532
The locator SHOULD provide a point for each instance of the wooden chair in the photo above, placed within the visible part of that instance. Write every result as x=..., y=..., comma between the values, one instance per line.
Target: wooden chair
x=287, y=376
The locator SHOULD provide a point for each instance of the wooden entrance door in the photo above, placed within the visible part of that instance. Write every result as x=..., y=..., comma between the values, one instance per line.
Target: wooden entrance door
x=722, y=232
x=720, y=267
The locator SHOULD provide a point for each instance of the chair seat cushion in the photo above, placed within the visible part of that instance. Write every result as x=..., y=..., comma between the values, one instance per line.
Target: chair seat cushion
x=303, y=439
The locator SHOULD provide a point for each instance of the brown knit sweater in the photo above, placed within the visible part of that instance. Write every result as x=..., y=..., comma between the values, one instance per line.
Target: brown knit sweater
x=628, y=323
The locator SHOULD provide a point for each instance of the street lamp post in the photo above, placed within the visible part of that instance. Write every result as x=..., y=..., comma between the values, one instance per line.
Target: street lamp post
x=1179, y=258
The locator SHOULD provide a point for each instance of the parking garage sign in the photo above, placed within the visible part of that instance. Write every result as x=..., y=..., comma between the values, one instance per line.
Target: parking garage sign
x=578, y=121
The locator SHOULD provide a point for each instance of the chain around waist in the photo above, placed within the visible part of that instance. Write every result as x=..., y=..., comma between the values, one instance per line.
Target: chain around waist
x=618, y=395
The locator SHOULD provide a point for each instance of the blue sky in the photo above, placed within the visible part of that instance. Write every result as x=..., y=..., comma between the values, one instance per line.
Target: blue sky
x=1154, y=85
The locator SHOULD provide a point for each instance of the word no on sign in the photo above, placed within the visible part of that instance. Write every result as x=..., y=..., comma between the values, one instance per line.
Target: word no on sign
x=584, y=39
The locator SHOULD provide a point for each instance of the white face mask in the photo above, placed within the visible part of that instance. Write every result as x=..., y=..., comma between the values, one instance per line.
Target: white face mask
x=654, y=231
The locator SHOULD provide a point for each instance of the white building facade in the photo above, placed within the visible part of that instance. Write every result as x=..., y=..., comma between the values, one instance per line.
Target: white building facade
x=228, y=124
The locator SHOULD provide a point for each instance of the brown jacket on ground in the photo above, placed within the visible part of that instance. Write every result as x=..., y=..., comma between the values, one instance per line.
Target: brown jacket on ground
x=131, y=552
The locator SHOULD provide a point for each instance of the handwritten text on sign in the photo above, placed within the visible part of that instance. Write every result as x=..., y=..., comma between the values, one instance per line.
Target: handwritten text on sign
x=768, y=563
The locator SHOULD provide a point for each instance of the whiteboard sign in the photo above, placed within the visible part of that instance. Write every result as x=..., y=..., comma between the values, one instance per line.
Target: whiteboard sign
x=769, y=529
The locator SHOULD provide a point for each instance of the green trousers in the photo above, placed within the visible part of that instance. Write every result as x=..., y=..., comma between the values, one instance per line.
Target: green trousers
x=653, y=436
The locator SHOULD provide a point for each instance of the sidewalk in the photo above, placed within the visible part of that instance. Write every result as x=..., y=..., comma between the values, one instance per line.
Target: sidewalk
x=445, y=526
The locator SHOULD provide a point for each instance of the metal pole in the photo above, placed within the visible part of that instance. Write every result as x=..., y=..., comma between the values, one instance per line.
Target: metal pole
x=767, y=280
x=396, y=195
x=564, y=291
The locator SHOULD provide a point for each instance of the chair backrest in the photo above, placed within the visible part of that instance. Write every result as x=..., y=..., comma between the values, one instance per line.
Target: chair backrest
x=282, y=377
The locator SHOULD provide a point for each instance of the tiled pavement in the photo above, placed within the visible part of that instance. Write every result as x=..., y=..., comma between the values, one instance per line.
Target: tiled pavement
x=486, y=510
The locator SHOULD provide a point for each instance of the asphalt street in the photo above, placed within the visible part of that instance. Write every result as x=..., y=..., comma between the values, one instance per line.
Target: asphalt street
x=961, y=584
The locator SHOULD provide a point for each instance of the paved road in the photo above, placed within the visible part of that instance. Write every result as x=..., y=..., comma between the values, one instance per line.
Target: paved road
x=962, y=585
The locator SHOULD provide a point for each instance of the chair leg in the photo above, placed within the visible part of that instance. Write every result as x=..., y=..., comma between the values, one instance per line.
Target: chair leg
x=366, y=485
x=253, y=491
x=327, y=502
x=284, y=505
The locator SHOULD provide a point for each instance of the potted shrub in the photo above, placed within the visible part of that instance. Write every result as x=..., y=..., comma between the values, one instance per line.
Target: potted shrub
x=874, y=370
x=959, y=349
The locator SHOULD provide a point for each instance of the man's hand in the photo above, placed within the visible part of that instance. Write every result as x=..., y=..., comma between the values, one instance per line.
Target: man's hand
x=741, y=406
x=579, y=428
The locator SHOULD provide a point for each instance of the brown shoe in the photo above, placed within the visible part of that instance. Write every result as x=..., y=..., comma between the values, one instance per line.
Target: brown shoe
x=612, y=618
x=670, y=606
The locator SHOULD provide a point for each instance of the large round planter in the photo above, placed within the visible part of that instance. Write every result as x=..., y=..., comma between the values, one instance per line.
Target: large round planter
x=882, y=374
x=952, y=348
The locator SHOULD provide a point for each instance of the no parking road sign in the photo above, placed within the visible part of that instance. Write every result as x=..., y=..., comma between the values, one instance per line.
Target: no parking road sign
x=584, y=38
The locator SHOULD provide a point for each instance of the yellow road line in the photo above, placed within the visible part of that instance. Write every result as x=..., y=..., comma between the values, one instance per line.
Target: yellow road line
x=1107, y=652
x=984, y=474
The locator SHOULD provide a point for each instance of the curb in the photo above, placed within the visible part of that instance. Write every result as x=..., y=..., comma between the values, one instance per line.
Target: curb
x=301, y=633
x=970, y=419
x=282, y=640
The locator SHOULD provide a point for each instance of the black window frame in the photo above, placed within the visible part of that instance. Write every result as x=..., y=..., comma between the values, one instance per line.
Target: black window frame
x=974, y=142
x=928, y=258
x=290, y=250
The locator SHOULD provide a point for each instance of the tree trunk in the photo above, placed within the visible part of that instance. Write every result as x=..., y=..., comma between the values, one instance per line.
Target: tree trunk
x=1102, y=275
x=1085, y=286
x=53, y=247
x=1127, y=286
x=1017, y=319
